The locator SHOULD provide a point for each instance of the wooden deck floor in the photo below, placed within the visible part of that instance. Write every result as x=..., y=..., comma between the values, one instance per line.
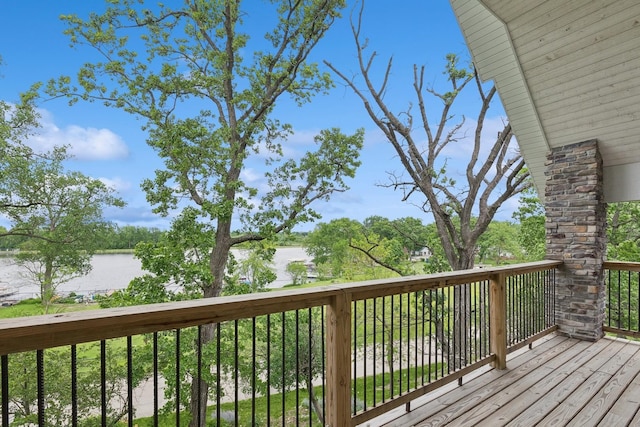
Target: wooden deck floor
x=560, y=382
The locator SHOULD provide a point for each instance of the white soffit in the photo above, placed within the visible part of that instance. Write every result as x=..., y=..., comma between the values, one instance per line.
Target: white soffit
x=621, y=182
x=567, y=71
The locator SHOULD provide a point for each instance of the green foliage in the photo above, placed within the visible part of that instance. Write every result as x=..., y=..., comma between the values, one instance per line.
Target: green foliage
x=437, y=262
x=55, y=215
x=57, y=212
x=623, y=231
x=410, y=233
x=253, y=273
x=349, y=247
x=196, y=58
x=298, y=272
x=128, y=236
x=531, y=217
x=623, y=295
x=57, y=380
x=328, y=244
x=499, y=243
x=206, y=93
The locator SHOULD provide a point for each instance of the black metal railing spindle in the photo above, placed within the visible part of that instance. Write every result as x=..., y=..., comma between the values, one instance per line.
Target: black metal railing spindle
x=40, y=386
x=254, y=373
x=199, y=373
x=324, y=367
x=392, y=370
x=311, y=346
x=284, y=368
x=129, y=382
x=236, y=374
x=74, y=386
x=415, y=333
x=637, y=297
x=374, y=366
x=178, y=354
x=384, y=333
x=354, y=344
x=268, y=356
x=103, y=382
x=218, y=373
x=297, y=339
x=366, y=353
x=156, y=386
x=4, y=365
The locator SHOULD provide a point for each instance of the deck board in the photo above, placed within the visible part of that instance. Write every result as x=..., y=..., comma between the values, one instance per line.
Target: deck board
x=452, y=404
x=569, y=377
x=607, y=396
x=559, y=382
x=610, y=361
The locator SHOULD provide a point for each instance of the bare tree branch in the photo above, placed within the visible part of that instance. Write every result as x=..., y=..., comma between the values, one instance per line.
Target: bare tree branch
x=461, y=209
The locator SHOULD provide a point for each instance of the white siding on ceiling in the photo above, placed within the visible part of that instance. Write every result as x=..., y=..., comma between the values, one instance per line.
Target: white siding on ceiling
x=567, y=71
x=510, y=9
x=566, y=33
x=495, y=59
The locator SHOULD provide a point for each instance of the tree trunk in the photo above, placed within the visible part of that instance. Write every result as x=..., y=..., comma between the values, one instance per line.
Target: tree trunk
x=314, y=404
x=389, y=356
x=46, y=290
x=200, y=387
x=460, y=356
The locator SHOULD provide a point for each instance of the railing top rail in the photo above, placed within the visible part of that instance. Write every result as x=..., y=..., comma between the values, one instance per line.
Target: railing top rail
x=622, y=265
x=385, y=287
x=40, y=332
x=52, y=330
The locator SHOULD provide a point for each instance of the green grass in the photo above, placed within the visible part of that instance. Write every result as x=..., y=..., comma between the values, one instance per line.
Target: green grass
x=379, y=388
x=247, y=407
x=245, y=411
x=33, y=307
x=114, y=251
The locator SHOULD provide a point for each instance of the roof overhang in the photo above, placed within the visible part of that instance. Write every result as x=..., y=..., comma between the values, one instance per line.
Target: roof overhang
x=566, y=72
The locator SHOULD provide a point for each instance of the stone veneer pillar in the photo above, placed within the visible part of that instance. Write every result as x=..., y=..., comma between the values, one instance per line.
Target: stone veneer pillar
x=575, y=233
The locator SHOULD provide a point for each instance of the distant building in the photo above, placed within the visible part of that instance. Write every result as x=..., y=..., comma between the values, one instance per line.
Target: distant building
x=422, y=254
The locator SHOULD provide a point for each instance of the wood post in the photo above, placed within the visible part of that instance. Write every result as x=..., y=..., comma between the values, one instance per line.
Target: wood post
x=498, y=319
x=338, y=382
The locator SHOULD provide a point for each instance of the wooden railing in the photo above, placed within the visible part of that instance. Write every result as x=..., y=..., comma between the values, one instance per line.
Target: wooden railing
x=69, y=329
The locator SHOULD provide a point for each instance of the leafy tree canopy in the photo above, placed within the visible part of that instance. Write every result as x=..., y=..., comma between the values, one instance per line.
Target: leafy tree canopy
x=206, y=86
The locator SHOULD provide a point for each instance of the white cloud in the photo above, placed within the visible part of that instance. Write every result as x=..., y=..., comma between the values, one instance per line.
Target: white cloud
x=251, y=176
x=117, y=184
x=84, y=143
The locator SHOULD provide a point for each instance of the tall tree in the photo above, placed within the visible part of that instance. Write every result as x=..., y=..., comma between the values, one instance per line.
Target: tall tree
x=346, y=244
x=207, y=97
x=499, y=242
x=61, y=213
x=462, y=210
x=17, y=122
x=410, y=232
x=623, y=220
x=56, y=213
x=531, y=233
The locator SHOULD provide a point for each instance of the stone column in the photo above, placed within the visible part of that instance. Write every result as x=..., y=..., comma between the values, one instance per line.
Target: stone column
x=575, y=232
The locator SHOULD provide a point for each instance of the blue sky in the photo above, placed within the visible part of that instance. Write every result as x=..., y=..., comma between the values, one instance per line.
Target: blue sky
x=109, y=144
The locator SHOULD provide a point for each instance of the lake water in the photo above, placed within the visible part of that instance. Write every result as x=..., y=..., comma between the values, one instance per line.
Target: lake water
x=115, y=271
